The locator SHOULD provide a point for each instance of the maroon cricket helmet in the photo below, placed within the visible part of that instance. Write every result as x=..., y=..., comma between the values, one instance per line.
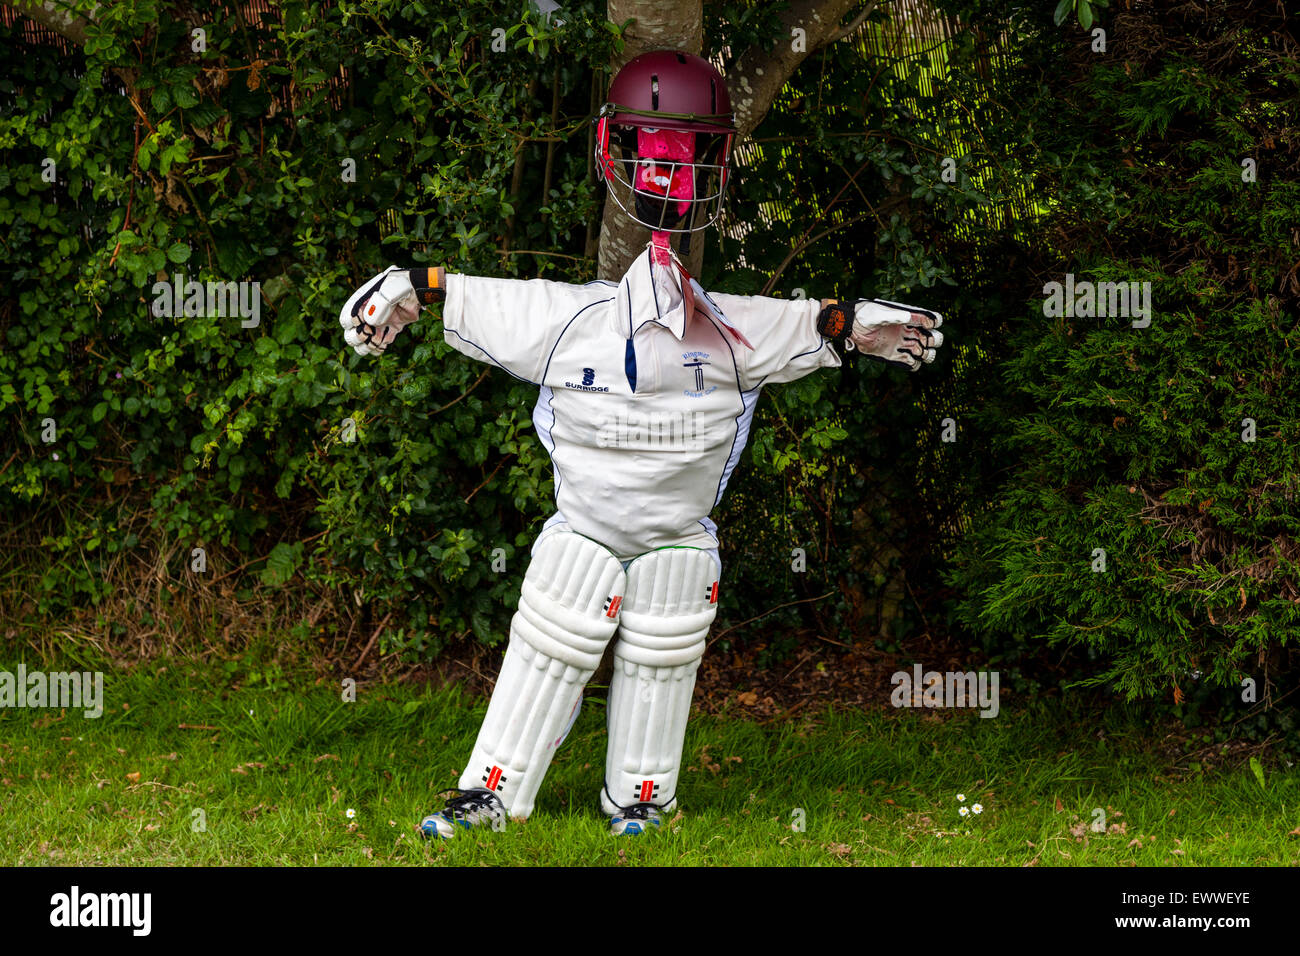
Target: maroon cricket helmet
x=671, y=90
x=663, y=140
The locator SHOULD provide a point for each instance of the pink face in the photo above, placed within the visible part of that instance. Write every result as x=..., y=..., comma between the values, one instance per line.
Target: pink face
x=665, y=179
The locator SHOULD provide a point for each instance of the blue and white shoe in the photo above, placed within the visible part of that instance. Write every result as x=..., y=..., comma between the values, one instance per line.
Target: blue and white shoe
x=636, y=819
x=468, y=809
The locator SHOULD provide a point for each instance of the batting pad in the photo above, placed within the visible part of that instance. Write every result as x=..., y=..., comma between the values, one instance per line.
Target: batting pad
x=568, y=610
x=672, y=597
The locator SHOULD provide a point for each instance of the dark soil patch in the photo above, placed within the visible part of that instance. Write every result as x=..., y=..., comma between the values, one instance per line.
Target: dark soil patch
x=822, y=671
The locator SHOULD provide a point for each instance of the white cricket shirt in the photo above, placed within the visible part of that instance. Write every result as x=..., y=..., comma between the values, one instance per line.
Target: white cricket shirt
x=644, y=413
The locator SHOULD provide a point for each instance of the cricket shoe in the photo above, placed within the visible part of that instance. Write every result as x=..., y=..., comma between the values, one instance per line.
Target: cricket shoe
x=636, y=819
x=468, y=808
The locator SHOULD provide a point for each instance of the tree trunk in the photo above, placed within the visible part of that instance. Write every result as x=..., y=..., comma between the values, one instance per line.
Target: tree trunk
x=53, y=14
x=660, y=25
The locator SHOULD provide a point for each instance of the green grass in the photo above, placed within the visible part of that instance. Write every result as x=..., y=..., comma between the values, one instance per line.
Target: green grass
x=872, y=788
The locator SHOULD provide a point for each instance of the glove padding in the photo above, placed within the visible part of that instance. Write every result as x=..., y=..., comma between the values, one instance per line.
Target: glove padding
x=378, y=311
x=893, y=332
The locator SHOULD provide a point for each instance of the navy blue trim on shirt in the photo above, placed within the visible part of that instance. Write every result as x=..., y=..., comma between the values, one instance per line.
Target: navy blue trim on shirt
x=495, y=362
x=820, y=345
x=800, y=355
x=565, y=329
x=549, y=398
x=741, y=393
x=653, y=291
x=629, y=353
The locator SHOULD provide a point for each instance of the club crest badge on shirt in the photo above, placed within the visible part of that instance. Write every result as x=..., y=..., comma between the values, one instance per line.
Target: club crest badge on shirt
x=697, y=361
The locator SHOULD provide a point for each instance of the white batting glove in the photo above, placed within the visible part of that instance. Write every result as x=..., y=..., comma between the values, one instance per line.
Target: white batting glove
x=895, y=332
x=378, y=311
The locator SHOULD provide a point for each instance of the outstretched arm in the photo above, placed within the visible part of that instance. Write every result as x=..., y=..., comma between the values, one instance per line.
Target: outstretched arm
x=510, y=323
x=791, y=337
x=884, y=330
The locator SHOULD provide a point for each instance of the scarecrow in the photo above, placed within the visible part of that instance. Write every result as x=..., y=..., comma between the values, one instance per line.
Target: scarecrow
x=647, y=389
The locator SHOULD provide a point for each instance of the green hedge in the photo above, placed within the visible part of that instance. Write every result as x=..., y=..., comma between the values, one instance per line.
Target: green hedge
x=256, y=162
x=1174, y=448
x=311, y=149
x=308, y=152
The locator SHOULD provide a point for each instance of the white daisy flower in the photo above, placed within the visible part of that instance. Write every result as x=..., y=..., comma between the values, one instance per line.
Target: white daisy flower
x=977, y=808
x=961, y=797
x=963, y=810
x=351, y=813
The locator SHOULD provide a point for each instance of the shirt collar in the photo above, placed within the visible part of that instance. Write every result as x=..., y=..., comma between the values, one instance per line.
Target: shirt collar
x=650, y=293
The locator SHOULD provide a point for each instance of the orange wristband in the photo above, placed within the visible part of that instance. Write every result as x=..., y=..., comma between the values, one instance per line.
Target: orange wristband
x=430, y=284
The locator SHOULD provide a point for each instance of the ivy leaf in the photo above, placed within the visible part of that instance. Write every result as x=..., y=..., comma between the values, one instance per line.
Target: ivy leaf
x=281, y=564
x=185, y=96
x=1062, y=11
x=204, y=114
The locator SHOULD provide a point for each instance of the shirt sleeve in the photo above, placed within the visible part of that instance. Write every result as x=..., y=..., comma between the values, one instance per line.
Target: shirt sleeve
x=787, y=345
x=512, y=323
